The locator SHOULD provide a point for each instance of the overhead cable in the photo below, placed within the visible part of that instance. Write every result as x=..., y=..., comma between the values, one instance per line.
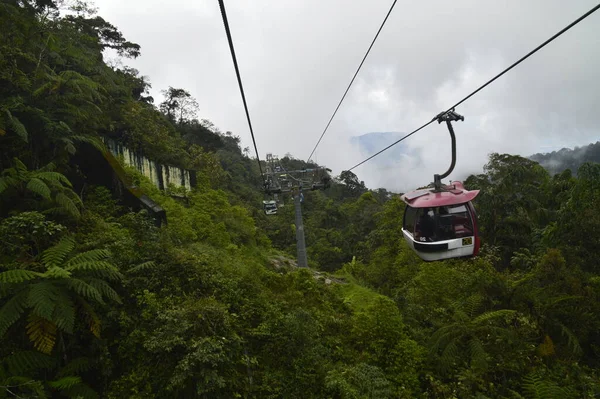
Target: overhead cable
x=352, y=81
x=572, y=24
x=237, y=72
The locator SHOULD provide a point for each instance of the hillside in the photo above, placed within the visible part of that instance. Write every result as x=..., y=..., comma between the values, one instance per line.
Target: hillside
x=566, y=158
x=97, y=300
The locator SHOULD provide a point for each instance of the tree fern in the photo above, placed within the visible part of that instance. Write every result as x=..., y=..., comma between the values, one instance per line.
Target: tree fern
x=88, y=256
x=84, y=289
x=56, y=272
x=64, y=313
x=92, y=265
x=12, y=311
x=142, y=267
x=572, y=340
x=477, y=354
x=55, y=256
x=497, y=314
x=18, y=276
x=65, y=383
x=53, y=177
x=21, y=363
x=535, y=387
x=16, y=126
x=106, y=290
x=37, y=186
x=67, y=204
x=81, y=390
x=91, y=317
x=42, y=299
x=76, y=366
x=42, y=333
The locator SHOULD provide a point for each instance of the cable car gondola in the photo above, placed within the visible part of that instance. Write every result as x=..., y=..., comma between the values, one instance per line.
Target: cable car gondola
x=270, y=207
x=440, y=221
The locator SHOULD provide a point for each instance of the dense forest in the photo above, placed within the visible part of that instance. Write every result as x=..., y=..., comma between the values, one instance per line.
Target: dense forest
x=97, y=301
x=566, y=158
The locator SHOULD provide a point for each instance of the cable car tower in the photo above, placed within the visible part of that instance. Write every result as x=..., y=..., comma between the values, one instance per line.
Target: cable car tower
x=279, y=182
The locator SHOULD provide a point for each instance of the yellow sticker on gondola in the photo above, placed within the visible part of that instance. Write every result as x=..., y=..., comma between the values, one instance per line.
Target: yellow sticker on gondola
x=467, y=241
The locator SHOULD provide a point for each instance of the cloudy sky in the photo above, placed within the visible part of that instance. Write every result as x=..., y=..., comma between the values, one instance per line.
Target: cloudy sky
x=297, y=57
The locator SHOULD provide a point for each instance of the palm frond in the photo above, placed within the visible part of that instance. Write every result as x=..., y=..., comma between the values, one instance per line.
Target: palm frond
x=42, y=333
x=55, y=256
x=39, y=187
x=12, y=311
x=18, y=276
x=448, y=357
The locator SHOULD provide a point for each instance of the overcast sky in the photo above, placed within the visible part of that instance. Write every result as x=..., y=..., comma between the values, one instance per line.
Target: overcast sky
x=297, y=57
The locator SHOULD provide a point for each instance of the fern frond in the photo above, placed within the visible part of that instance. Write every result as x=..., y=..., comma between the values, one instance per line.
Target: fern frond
x=65, y=383
x=572, y=340
x=57, y=273
x=93, y=255
x=42, y=333
x=42, y=299
x=18, y=276
x=64, y=313
x=106, y=290
x=478, y=354
x=54, y=178
x=4, y=184
x=535, y=387
x=107, y=274
x=448, y=357
x=472, y=305
x=91, y=317
x=82, y=390
x=12, y=310
x=55, y=256
x=76, y=366
x=38, y=187
x=496, y=314
x=17, y=127
x=92, y=265
x=84, y=289
x=97, y=143
x=67, y=204
x=20, y=167
x=142, y=267
x=21, y=363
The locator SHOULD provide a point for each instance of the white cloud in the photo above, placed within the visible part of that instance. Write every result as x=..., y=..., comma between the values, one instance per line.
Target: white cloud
x=297, y=57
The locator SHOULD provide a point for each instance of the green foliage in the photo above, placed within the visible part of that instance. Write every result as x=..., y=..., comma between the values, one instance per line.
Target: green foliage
x=210, y=306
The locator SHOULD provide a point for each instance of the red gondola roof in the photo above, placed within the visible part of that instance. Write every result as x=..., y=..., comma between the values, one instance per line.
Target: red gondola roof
x=426, y=198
